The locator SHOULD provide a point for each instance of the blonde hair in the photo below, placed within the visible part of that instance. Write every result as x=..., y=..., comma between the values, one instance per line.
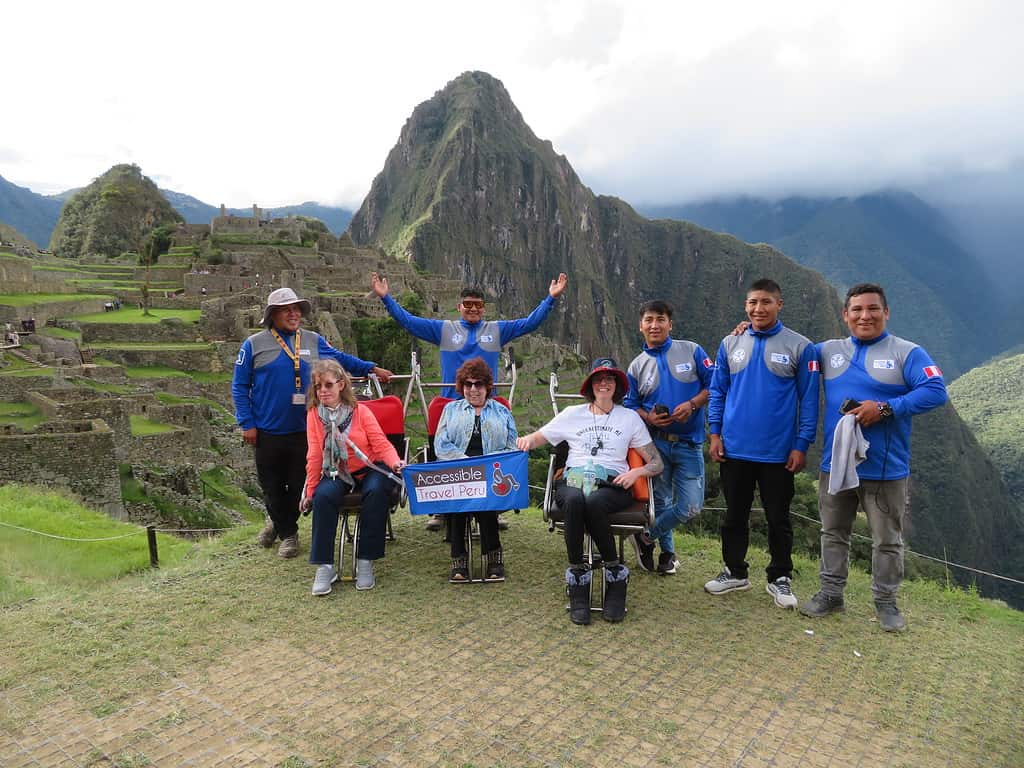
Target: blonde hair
x=330, y=367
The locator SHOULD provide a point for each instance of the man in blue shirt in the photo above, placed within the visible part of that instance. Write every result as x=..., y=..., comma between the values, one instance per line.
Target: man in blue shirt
x=880, y=381
x=763, y=413
x=668, y=388
x=269, y=391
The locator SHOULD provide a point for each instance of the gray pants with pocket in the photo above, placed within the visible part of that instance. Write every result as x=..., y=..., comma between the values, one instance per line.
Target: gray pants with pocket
x=885, y=504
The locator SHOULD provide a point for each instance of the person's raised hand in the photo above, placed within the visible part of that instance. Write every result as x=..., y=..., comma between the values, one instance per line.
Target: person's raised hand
x=379, y=284
x=557, y=287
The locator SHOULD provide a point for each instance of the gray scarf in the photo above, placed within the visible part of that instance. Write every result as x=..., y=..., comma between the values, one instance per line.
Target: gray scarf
x=337, y=422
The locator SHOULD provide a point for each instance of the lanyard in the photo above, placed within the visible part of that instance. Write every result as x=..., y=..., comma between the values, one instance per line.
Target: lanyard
x=293, y=355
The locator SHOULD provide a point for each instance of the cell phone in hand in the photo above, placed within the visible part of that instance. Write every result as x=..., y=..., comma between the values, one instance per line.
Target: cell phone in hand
x=660, y=409
x=848, y=405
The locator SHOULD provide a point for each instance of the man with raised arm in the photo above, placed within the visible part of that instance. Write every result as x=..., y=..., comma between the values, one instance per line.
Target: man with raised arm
x=269, y=391
x=874, y=383
x=763, y=414
x=668, y=388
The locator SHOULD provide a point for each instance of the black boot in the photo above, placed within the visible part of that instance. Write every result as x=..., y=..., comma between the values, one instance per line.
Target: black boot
x=577, y=587
x=616, y=578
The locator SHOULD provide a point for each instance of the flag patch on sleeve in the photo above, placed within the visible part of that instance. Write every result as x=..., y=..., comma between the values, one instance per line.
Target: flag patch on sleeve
x=932, y=371
x=708, y=363
x=812, y=366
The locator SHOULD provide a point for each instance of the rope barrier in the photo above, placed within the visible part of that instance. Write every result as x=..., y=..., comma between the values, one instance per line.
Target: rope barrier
x=68, y=538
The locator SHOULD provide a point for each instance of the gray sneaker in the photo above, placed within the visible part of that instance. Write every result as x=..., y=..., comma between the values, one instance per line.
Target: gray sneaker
x=822, y=605
x=726, y=582
x=267, y=536
x=889, y=617
x=289, y=546
x=364, y=574
x=782, y=592
x=324, y=579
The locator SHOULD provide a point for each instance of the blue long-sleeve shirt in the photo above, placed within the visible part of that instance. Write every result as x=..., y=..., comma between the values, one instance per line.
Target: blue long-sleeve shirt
x=264, y=379
x=670, y=374
x=886, y=369
x=461, y=341
x=764, y=394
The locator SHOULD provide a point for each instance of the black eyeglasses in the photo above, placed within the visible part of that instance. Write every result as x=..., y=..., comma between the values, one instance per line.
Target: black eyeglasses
x=474, y=385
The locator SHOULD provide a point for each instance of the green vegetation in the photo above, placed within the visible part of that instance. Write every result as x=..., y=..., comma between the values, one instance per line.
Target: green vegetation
x=28, y=299
x=135, y=315
x=218, y=485
x=60, y=333
x=990, y=399
x=143, y=426
x=153, y=372
x=34, y=566
x=383, y=340
x=23, y=415
x=208, y=516
x=183, y=346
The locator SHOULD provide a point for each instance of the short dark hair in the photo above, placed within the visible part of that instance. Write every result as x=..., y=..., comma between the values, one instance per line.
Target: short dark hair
x=766, y=284
x=472, y=292
x=861, y=288
x=476, y=369
x=658, y=307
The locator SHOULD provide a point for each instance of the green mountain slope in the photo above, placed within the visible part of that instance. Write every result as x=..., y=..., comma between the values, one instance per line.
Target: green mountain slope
x=990, y=399
x=32, y=214
x=111, y=215
x=9, y=234
x=470, y=192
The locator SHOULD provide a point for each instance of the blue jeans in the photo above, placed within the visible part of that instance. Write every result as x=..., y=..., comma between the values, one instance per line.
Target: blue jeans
x=678, y=490
x=373, y=517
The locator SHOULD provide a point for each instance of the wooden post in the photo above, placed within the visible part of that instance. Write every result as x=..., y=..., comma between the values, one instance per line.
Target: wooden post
x=154, y=560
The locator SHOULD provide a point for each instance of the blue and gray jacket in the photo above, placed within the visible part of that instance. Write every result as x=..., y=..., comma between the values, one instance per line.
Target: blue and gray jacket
x=461, y=341
x=764, y=394
x=887, y=369
x=264, y=379
x=670, y=374
x=497, y=429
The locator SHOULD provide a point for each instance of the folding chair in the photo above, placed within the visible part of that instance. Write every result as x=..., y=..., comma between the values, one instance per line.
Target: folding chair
x=390, y=415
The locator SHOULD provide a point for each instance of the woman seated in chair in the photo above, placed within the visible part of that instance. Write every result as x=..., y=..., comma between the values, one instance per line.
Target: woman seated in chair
x=597, y=480
x=335, y=422
x=474, y=426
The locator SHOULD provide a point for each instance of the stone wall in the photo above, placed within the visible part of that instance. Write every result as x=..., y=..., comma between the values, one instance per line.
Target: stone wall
x=43, y=311
x=14, y=272
x=14, y=389
x=165, y=448
x=74, y=455
x=198, y=359
x=167, y=330
x=63, y=405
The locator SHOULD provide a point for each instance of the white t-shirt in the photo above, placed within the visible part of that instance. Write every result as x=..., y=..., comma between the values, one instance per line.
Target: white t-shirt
x=603, y=439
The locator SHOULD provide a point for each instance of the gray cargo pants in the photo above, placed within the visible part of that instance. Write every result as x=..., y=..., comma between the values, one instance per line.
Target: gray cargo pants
x=885, y=504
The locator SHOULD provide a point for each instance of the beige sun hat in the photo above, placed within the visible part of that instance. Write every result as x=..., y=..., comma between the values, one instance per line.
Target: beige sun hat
x=284, y=297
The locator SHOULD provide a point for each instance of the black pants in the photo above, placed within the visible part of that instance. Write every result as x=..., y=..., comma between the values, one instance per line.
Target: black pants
x=489, y=538
x=775, y=483
x=589, y=514
x=281, y=469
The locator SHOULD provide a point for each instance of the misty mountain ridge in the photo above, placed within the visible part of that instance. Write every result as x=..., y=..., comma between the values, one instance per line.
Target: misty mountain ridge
x=196, y=211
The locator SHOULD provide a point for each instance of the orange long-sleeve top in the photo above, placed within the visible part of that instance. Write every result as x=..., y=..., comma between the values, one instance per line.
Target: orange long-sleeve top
x=365, y=432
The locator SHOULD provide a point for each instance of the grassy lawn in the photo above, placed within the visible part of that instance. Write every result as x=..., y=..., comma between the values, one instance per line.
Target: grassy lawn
x=23, y=415
x=27, y=370
x=217, y=485
x=28, y=299
x=143, y=426
x=60, y=333
x=229, y=658
x=33, y=565
x=134, y=315
x=153, y=372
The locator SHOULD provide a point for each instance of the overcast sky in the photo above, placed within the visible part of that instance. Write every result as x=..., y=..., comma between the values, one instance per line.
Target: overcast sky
x=278, y=103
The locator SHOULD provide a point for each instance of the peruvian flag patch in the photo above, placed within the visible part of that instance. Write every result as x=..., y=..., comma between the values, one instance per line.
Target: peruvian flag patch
x=812, y=366
x=708, y=363
x=932, y=371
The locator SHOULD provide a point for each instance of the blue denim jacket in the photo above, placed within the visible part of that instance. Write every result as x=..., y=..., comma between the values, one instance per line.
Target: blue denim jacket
x=497, y=429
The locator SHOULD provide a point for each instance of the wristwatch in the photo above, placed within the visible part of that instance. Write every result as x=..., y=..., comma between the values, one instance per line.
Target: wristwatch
x=884, y=410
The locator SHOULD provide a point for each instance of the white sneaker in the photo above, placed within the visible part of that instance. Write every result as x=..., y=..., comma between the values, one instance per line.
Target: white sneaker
x=725, y=582
x=364, y=574
x=325, y=577
x=782, y=592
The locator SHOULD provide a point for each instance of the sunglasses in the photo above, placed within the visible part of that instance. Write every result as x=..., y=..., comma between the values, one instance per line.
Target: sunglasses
x=327, y=384
x=474, y=385
x=473, y=303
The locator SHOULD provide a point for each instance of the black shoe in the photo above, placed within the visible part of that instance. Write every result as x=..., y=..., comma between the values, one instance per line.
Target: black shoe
x=435, y=522
x=616, y=579
x=822, y=605
x=460, y=570
x=644, y=553
x=502, y=522
x=577, y=587
x=889, y=617
x=495, y=566
x=667, y=563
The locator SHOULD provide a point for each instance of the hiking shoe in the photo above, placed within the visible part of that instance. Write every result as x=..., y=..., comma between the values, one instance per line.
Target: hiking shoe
x=822, y=605
x=289, y=546
x=495, y=570
x=726, y=582
x=459, y=573
x=502, y=522
x=667, y=563
x=325, y=577
x=435, y=522
x=782, y=592
x=889, y=617
x=267, y=536
x=644, y=553
x=364, y=574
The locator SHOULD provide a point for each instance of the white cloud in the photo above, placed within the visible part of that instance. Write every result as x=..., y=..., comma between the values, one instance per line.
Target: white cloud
x=651, y=101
